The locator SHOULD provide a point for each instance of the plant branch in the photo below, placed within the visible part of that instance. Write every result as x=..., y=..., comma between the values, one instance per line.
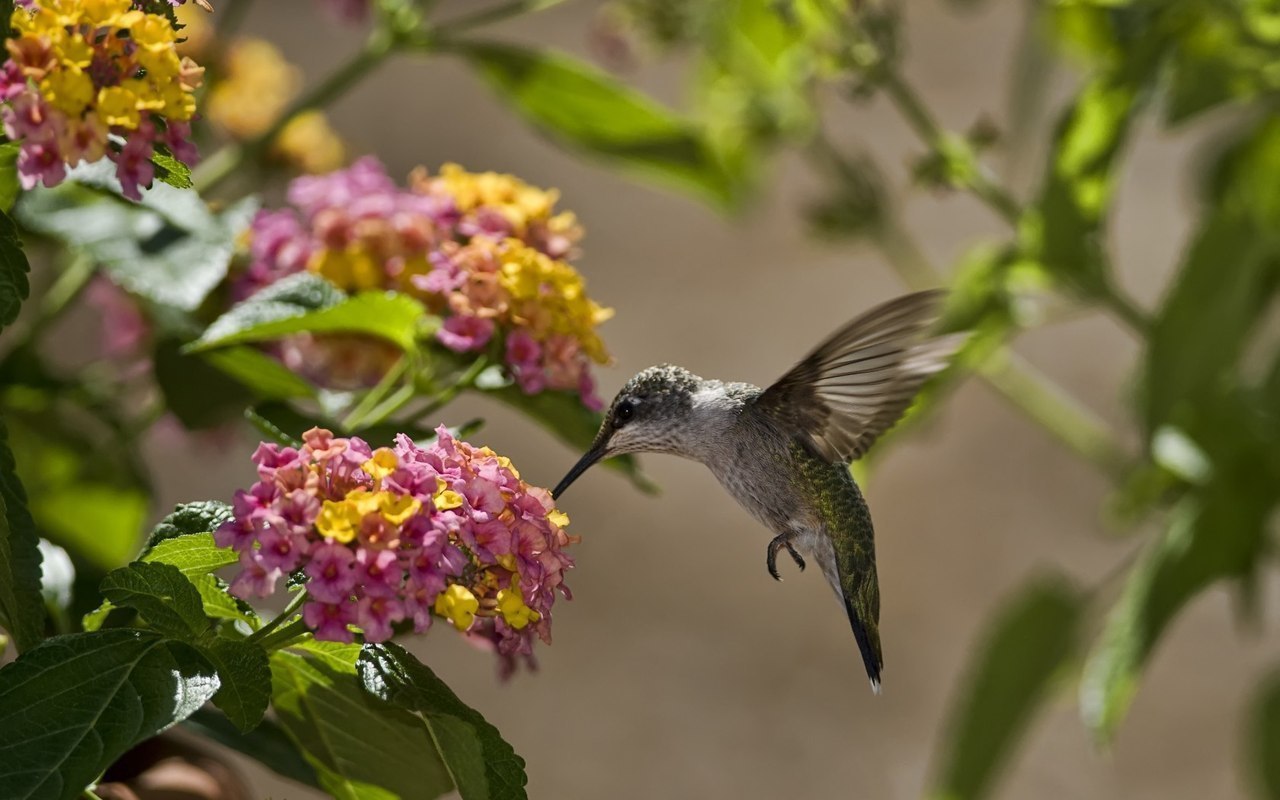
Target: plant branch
x=264, y=632
x=496, y=14
x=1060, y=414
x=442, y=398
x=285, y=636
x=980, y=182
x=225, y=162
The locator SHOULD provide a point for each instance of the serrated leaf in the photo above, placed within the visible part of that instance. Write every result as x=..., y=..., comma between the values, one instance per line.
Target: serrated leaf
x=169, y=248
x=14, y=287
x=245, y=674
x=74, y=704
x=169, y=169
x=483, y=765
x=563, y=414
x=192, y=553
x=360, y=747
x=201, y=517
x=586, y=109
x=161, y=594
x=267, y=744
x=21, y=607
x=1264, y=737
x=1033, y=637
x=395, y=317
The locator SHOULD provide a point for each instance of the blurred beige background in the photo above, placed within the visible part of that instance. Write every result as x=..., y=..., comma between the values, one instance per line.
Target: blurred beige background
x=681, y=669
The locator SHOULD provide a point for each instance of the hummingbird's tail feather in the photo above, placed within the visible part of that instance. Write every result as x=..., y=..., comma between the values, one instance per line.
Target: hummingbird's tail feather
x=867, y=634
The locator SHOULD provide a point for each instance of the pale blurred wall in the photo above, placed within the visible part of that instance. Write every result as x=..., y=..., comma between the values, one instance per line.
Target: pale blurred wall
x=681, y=669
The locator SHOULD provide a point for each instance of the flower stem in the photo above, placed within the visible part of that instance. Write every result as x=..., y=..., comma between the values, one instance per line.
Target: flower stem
x=442, y=398
x=285, y=636
x=225, y=162
x=374, y=396
x=496, y=14
x=264, y=632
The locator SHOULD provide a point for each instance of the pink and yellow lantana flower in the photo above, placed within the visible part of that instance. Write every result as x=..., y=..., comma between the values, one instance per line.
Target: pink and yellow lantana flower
x=82, y=71
x=403, y=534
x=487, y=252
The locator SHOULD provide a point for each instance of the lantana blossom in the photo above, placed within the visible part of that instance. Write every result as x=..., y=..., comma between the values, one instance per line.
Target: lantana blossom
x=86, y=79
x=402, y=534
x=485, y=251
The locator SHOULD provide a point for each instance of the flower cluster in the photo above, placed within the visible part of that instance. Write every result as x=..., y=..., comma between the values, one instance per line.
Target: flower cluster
x=93, y=78
x=485, y=251
x=402, y=533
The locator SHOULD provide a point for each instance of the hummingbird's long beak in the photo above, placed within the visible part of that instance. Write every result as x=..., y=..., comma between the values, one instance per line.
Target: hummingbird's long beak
x=590, y=457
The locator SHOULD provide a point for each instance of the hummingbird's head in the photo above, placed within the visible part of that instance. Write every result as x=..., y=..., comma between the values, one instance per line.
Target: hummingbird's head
x=647, y=416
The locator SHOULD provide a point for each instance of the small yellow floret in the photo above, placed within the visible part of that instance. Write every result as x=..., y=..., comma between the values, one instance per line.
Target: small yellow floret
x=397, y=508
x=383, y=463
x=458, y=605
x=338, y=520
x=558, y=518
x=445, y=498
x=514, y=611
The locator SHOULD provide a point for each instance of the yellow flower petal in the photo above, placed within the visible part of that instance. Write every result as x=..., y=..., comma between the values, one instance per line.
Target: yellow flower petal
x=458, y=605
x=558, y=518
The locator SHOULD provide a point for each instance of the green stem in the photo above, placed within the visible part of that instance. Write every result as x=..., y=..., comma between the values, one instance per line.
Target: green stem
x=496, y=14
x=1046, y=403
x=1064, y=417
x=225, y=162
x=981, y=184
x=285, y=636
x=465, y=381
x=1124, y=308
x=264, y=632
x=374, y=396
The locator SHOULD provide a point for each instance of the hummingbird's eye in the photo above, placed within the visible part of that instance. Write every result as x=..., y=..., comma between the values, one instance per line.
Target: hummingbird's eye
x=623, y=412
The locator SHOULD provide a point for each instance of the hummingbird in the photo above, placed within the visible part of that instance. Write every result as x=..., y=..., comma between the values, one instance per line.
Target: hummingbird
x=783, y=452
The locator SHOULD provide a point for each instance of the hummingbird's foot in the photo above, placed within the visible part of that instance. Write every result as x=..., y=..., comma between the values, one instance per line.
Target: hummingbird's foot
x=780, y=541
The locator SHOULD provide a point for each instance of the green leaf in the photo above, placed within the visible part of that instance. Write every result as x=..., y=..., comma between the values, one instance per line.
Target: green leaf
x=192, y=554
x=1217, y=533
x=21, y=607
x=200, y=517
x=169, y=169
x=14, y=287
x=1204, y=323
x=161, y=594
x=263, y=375
x=9, y=185
x=93, y=507
x=583, y=108
x=267, y=744
x=1264, y=738
x=361, y=747
x=563, y=414
x=398, y=318
x=72, y=705
x=1067, y=231
x=245, y=674
x=482, y=764
x=285, y=425
x=198, y=394
x=169, y=248
x=1034, y=636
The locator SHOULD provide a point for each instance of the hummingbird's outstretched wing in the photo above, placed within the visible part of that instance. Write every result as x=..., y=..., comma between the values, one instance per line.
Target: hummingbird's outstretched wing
x=855, y=385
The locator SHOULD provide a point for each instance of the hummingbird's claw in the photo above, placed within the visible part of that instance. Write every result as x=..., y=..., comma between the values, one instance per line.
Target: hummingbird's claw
x=779, y=542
